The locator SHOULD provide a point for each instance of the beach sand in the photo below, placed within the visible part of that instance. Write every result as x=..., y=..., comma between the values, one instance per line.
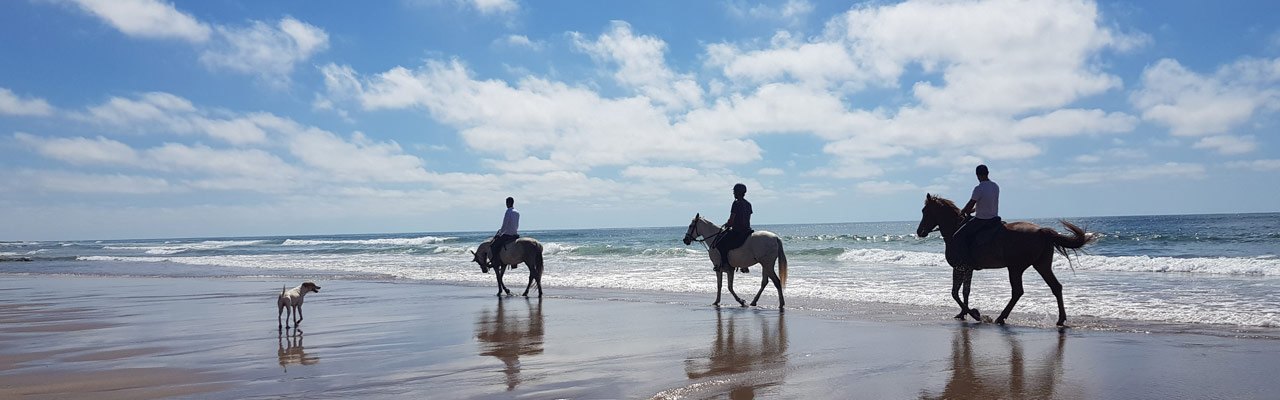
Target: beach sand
x=136, y=338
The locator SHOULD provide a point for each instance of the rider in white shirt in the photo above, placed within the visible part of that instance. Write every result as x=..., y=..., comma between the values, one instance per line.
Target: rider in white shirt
x=507, y=234
x=986, y=202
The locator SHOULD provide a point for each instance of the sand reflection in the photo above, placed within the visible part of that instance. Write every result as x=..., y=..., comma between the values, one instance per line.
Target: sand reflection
x=749, y=353
x=291, y=351
x=508, y=334
x=1003, y=372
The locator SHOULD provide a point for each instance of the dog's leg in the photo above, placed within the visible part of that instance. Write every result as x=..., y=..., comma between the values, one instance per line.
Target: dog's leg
x=299, y=321
x=280, y=313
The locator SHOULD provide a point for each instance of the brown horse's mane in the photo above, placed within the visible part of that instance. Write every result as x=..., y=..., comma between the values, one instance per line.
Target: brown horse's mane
x=941, y=202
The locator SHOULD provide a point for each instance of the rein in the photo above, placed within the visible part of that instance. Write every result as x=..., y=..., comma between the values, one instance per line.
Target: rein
x=706, y=238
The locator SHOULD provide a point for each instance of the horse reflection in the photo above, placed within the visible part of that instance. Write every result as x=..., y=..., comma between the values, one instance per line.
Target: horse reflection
x=508, y=335
x=747, y=362
x=293, y=354
x=980, y=376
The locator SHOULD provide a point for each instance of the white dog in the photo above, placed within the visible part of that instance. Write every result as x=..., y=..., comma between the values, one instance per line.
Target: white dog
x=292, y=299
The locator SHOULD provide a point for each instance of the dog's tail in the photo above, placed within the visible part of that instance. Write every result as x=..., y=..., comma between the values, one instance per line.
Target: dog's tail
x=284, y=288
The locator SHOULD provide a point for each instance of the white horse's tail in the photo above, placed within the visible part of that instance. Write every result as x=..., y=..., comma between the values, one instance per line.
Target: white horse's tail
x=782, y=263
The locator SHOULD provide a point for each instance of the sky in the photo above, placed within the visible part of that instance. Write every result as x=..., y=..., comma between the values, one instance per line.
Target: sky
x=158, y=119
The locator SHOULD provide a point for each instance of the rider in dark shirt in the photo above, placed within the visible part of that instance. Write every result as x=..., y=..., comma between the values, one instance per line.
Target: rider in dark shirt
x=739, y=226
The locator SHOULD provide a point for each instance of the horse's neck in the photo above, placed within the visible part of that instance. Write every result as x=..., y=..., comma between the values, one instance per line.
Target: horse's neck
x=708, y=229
x=949, y=225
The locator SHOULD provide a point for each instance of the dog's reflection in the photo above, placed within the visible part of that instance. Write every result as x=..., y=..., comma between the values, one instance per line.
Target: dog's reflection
x=509, y=334
x=749, y=353
x=291, y=351
x=984, y=375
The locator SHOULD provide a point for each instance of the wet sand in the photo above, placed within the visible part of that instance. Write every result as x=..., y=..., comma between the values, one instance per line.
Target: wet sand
x=135, y=338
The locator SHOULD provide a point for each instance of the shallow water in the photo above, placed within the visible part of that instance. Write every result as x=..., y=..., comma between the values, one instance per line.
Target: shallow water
x=1193, y=271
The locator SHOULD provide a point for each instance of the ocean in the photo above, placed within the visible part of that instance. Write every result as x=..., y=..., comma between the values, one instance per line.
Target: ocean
x=1217, y=272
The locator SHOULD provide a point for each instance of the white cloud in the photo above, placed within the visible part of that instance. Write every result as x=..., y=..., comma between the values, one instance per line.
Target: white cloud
x=1004, y=68
x=1191, y=104
x=81, y=151
x=270, y=52
x=641, y=65
x=791, y=12
x=75, y=182
x=520, y=41
x=1171, y=170
x=571, y=126
x=1088, y=158
x=1227, y=144
x=152, y=19
x=488, y=7
x=1112, y=154
x=359, y=159
x=167, y=113
x=1264, y=165
x=771, y=172
x=11, y=104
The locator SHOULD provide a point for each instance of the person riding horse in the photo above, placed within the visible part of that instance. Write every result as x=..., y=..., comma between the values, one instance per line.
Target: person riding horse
x=739, y=226
x=507, y=234
x=986, y=202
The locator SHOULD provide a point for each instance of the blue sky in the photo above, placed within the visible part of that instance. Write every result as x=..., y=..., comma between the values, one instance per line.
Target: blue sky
x=149, y=118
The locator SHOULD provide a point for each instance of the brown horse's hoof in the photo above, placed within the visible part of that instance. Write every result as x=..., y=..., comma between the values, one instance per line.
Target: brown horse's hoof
x=960, y=316
x=973, y=312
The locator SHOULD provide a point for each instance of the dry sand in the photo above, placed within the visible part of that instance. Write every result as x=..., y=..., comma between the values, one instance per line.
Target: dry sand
x=135, y=338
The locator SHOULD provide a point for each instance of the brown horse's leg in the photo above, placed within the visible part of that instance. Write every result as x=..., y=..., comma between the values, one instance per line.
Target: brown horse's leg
x=1015, y=282
x=968, y=280
x=1046, y=272
x=958, y=281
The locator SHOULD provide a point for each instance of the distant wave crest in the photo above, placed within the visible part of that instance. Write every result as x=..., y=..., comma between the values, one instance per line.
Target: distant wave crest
x=418, y=241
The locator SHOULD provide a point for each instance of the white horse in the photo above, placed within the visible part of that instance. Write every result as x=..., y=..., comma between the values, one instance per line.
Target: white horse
x=522, y=250
x=762, y=248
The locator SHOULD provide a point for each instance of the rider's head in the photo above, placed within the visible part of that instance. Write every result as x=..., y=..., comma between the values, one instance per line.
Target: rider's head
x=981, y=171
x=511, y=202
x=739, y=190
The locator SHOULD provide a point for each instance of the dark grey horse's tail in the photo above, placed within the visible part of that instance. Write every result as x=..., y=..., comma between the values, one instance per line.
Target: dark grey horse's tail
x=538, y=257
x=782, y=263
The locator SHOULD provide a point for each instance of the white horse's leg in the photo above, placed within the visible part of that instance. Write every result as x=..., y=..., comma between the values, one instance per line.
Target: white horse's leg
x=502, y=287
x=764, y=282
x=729, y=270
x=719, y=286
x=526, y=287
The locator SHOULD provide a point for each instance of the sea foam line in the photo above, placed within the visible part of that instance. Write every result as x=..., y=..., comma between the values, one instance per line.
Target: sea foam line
x=1265, y=266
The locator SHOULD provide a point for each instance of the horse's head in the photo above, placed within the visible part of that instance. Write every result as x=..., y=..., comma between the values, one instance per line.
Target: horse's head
x=692, y=233
x=478, y=259
x=927, y=221
x=938, y=213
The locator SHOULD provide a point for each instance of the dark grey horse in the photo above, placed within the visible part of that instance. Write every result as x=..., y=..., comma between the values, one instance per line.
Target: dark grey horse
x=523, y=250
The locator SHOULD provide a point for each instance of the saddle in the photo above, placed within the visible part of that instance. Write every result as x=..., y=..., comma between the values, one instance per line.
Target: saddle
x=958, y=251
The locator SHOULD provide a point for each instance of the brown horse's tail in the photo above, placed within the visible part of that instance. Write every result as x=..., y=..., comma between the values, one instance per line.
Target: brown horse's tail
x=782, y=264
x=1062, y=243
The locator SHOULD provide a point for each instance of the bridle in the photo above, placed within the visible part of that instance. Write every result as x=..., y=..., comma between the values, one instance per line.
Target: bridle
x=690, y=235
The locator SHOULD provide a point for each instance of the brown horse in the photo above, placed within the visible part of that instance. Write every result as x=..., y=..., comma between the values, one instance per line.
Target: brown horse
x=1020, y=245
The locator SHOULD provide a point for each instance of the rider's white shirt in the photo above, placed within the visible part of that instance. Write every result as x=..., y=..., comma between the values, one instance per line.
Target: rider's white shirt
x=510, y=222
x=987, y=194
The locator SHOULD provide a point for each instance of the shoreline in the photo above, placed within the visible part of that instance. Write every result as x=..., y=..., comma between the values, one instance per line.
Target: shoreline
x=212, y=338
